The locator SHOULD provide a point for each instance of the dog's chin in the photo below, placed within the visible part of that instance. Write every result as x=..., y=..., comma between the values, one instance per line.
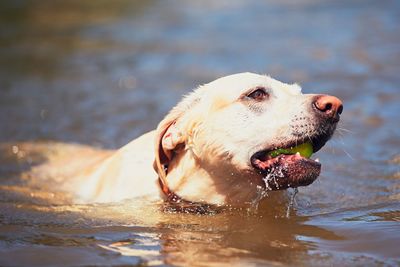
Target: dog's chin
x=286, y=171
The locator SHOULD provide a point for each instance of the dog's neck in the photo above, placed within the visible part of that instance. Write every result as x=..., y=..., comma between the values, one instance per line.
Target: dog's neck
x=190, y=181
x=193, y=180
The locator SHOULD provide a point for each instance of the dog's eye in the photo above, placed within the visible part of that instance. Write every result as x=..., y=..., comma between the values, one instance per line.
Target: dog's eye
x=258, y=94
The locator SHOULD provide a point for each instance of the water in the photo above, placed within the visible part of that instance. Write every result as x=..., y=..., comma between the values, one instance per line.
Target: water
x=91, y=75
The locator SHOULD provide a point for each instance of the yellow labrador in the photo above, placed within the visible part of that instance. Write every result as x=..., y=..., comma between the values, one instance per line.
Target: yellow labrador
x=220, y=145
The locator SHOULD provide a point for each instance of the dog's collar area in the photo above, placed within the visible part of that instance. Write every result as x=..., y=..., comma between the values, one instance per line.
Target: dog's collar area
x=175, y=203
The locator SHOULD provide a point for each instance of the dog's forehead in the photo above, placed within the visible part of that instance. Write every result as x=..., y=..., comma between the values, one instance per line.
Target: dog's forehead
x=240, y=83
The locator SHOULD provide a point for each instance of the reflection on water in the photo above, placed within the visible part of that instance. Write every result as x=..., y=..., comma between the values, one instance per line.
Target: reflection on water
x=100, y=73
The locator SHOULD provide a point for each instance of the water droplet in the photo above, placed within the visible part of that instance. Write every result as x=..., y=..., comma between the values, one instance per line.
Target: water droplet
x=291, y=203
x=43, y=114
x=127, y=82
x=15, y=149
x=260, y=194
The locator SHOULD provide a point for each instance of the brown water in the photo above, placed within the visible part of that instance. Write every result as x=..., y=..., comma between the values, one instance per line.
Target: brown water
x=100, y=73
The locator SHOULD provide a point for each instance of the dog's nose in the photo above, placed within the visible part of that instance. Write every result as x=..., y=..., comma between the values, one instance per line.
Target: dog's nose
x=329, y=106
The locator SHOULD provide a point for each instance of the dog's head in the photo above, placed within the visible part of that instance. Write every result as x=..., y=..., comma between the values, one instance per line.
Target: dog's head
x=240, y=133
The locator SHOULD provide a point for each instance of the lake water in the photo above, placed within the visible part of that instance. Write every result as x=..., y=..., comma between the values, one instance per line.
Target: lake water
x=96, y=74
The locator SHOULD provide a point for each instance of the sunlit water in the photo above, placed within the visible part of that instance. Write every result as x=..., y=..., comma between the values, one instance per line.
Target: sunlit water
x=99, y=73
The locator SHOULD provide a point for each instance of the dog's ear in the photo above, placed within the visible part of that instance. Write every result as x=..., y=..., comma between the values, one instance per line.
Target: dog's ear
x=168, y=137
x=170, y=134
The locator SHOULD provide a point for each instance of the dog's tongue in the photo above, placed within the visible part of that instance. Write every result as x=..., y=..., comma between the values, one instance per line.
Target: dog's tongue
x=305, y=150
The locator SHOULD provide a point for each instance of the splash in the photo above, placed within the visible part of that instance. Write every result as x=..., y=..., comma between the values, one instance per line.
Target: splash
x=271, y=178
x=262, y=192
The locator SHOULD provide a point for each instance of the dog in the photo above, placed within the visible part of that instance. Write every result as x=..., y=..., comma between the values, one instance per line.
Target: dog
x=214, y=147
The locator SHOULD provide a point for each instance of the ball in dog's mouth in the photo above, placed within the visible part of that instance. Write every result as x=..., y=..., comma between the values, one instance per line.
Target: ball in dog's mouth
x=287, y=167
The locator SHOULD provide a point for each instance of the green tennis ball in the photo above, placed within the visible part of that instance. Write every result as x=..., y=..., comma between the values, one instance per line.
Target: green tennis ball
x=305, y=150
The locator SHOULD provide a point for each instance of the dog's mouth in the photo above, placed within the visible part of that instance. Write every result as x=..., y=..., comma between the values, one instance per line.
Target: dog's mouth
x=289, y=165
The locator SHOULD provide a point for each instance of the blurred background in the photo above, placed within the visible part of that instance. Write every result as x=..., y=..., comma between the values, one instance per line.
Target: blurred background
x=102, y=72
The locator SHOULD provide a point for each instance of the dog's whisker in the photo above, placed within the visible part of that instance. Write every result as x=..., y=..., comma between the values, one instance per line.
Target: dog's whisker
x=345, y=130
x=342, y=144
x=309, y=137
x=339, y=134
x=341, y=139
x=332, y=148
x=348, y=154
